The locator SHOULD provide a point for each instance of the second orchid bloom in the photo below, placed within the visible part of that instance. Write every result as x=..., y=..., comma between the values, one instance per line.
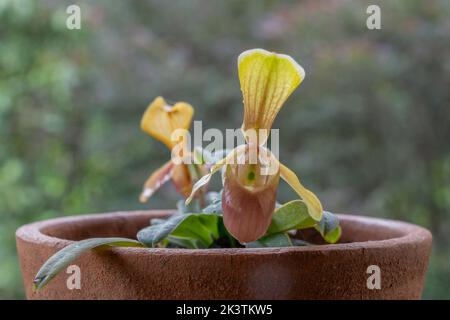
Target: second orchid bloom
x=161, y=121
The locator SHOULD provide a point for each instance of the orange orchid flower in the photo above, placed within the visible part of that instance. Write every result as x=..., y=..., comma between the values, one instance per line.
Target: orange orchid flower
x=161, y=120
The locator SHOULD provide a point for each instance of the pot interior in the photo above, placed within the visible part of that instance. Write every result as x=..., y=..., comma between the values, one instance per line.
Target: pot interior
x=128, y=224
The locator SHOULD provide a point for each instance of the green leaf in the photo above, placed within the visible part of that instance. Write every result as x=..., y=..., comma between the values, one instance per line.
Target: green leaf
x=214, y=208
x=213, y=197
x=300, y=243
x=152, y=235
x=214, y=203
x=294, y=216
x=291, y=215
x=272, y=240
x=193, y=206
x=64, y=257
x=155, y=221
x=183, y=242
x=329, y=227
x=333, y=236
x=223, y=232
x=201, y=229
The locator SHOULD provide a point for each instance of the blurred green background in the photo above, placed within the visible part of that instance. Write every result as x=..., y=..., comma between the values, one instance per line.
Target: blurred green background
x=368, y=130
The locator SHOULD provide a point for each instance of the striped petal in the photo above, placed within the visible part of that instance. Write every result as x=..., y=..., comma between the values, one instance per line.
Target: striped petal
x=156, y=180
x=312, y=202
x=160, y=120
x=267, y=79
x=230, y=158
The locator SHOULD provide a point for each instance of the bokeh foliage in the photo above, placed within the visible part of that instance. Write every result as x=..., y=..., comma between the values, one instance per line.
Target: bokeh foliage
x=368, y=130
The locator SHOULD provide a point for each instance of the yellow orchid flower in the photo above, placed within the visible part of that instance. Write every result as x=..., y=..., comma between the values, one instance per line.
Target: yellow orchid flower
x=161, y=120
x=267, y=79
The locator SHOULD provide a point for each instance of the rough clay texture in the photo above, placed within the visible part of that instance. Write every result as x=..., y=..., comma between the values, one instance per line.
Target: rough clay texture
x=339, y=271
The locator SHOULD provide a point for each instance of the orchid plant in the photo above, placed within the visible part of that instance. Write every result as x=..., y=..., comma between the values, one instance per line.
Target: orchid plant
x=244, y=213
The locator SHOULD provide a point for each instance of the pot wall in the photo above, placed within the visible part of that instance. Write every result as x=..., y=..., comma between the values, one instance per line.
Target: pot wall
x=339, y=271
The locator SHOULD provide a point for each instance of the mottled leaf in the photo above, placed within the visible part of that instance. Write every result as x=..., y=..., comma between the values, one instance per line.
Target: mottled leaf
x=272, y=240
x=329, y=227
x=64, y=257
x=201, y=228
x=291, y=215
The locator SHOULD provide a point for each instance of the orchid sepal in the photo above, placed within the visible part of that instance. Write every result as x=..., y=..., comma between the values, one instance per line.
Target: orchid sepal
x=267, y=79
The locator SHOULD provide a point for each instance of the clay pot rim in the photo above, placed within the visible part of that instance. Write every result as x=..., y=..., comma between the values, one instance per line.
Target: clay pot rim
x=408, y=233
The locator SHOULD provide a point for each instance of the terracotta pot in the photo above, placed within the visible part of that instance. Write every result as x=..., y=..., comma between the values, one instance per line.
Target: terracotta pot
x=339, y=271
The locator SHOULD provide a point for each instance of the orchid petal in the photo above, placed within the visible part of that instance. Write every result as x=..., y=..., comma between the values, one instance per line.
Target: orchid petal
x=312, y=202
x=267, y=79
x=160, y=120
x=247, y=211
x=181, y=178
x=156, y=180
x=216, y=167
